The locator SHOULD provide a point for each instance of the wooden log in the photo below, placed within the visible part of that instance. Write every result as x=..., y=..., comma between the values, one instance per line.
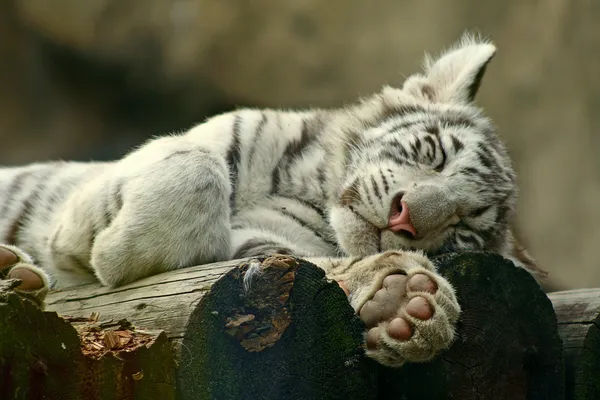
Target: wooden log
x=578, y=314
x=277, y=343
x=301, y=339
x=507, y=346
x=43, y=356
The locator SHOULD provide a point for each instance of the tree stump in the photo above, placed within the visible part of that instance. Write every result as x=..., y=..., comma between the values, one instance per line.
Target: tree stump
x=293, y=335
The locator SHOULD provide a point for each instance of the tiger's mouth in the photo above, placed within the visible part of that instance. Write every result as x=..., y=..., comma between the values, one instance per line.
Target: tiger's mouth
x=358, y=235
x=435, y=242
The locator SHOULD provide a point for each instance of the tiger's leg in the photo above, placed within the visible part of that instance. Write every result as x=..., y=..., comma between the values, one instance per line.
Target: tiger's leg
x=15, y=264
x=163, y=208
x=409, y=310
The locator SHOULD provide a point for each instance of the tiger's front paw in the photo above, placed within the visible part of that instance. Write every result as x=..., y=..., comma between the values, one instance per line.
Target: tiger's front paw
x=14, y=264
x=409, y=310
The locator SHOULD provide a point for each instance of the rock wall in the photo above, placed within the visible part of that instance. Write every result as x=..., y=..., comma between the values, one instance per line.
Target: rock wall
x=91, y=79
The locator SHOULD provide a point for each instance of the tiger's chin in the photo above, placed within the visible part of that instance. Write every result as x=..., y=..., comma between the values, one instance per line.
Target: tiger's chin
x=430, y=244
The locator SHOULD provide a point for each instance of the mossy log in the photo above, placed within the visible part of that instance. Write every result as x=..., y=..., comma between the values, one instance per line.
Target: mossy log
x=578, y=314
x=294, y=336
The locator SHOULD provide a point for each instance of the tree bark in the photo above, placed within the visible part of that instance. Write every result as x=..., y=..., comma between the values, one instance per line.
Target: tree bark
x=578, y=314
x=293, y=335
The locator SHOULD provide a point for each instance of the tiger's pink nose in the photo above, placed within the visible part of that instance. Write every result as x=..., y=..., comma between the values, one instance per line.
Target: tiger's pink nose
x=399, y=220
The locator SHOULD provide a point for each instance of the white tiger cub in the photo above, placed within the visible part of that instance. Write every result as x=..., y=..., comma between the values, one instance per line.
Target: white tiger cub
x=363, y=191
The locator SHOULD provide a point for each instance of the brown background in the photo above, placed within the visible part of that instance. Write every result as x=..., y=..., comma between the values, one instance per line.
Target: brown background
x=90, y=79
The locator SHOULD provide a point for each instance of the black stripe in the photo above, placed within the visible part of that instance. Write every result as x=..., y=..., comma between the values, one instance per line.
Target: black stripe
x=257, y=134
x=471, y=171
x=485, y=160
x=321, y=177
x=233, y=159
x=117, y=196
x=445, y=120
x=18, y=223
x=297, y=147
x=275, y=180
x=392, y=132
x=369, y=198
x=432, y=145
x=375, y=187
x=393, y=111
x=304, y=225
x=319, y=210
x=415, y=151
x=442, y=164
x=457, y=145
x=387, y=154
x=397, y=147
x=503, y=213
x=418, y=144
x=386, y=186
x=293, y=151
x=13, y=190
x=433, y=129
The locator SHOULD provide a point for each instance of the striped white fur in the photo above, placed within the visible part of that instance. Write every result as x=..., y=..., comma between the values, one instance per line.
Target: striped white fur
x=314, y=183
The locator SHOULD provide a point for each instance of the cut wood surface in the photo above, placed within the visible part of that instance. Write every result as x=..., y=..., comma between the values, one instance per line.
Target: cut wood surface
x=578, y=314
x=294, y=335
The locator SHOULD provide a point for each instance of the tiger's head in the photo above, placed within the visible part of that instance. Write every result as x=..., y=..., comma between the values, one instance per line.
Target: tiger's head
x=426, y=169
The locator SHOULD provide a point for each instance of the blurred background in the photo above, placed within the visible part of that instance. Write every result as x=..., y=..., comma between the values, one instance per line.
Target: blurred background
x=90, y=79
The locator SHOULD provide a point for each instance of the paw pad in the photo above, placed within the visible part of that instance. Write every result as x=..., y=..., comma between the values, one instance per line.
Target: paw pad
x=11, y=267
x=29, y=279
x=390, y=303
x=7, y=258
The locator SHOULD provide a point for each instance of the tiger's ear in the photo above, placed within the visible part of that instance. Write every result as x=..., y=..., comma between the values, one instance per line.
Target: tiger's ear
x=456, y=75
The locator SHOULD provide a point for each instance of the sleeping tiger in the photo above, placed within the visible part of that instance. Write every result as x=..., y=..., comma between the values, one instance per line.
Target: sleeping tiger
x=366, y=192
